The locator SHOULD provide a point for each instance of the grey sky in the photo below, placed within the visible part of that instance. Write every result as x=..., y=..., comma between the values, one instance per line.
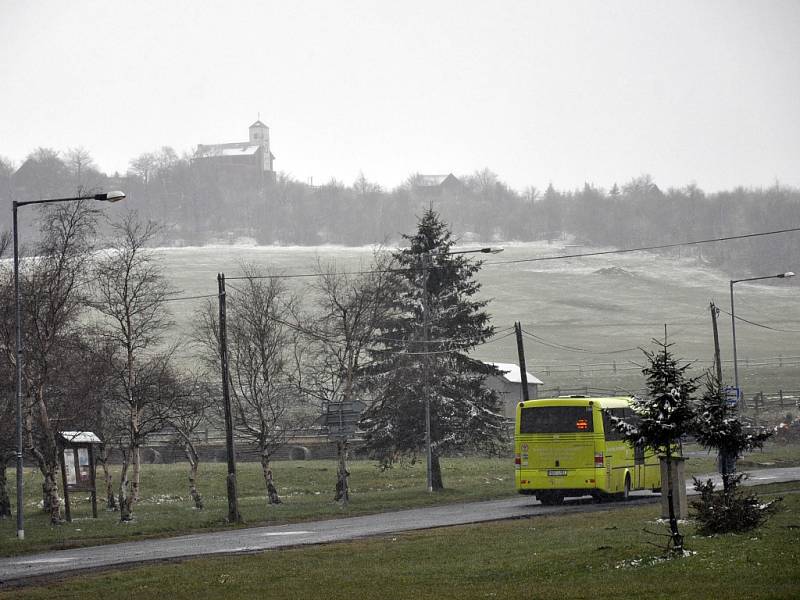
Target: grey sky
x=704, y=92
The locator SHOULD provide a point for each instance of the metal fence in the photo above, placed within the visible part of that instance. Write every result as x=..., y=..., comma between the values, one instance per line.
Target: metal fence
x=623, y=366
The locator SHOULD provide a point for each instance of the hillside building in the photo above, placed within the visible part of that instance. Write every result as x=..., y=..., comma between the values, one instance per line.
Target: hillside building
x=436, y=183
x=253, y=155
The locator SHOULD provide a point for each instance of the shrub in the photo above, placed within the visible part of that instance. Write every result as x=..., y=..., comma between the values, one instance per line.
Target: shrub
x=733, y=511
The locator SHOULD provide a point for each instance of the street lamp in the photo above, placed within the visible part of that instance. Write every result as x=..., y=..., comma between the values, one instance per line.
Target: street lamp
x=104, y=197
x=426, y=266
x=733, y=320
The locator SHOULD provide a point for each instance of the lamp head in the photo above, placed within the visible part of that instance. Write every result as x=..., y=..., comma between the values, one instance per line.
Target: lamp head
x=115, y=196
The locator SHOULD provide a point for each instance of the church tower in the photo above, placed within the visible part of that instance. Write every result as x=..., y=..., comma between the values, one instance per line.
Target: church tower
x=259, y=135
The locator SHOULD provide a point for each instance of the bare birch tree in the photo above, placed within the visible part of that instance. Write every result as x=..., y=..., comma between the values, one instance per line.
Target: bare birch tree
x=130, y=292
x=51, y=282
x=186, y=419
x=262, y=347
x=349, y=310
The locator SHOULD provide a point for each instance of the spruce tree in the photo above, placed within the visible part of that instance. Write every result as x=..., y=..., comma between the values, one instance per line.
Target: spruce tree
x=662, y=417
x=422, y=353
x=717, y=427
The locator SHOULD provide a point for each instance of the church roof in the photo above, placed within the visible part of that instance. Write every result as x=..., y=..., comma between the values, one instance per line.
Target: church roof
x=235, y=149
x=257, y=124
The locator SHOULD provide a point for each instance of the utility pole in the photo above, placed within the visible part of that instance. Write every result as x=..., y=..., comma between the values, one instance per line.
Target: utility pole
x=426, y=264
x=523, y=372
x=18, y=366
x=725, y=463
x=233, y=501
x=717, y=361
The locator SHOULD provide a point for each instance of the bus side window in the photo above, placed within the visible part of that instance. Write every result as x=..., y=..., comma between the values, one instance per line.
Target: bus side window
x=611, y=433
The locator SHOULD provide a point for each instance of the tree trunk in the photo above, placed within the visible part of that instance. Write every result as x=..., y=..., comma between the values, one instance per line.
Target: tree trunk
x=5, y=500
x=125, y=497
x=52, y=499
x=49, y=468
x=136, y=465
x=342, y=474
x=728, y=469
x=677, y=538
x=48, y=463
x=272, y=492
x=111, y=501
x=436, y=473
x=192, y=457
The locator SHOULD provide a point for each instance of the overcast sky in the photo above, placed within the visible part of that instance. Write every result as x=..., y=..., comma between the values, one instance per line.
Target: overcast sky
x=562, y=92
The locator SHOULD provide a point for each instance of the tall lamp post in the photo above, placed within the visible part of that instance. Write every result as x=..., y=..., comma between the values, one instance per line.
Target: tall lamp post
x=426, y=267
x=733, y=320
x=106, y=197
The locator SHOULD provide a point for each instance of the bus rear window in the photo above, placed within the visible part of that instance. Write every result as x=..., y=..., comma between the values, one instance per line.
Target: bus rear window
x=556, y=419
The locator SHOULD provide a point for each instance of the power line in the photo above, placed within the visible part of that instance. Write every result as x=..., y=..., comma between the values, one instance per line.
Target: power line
x=738, y=318
x=559, y=346
x=538, y=258
x=644, y=248
x=191, y=297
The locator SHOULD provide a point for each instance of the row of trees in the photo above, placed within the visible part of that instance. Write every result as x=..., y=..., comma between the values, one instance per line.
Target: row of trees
x=200, y=203
x=92, y=324
x=98, y=354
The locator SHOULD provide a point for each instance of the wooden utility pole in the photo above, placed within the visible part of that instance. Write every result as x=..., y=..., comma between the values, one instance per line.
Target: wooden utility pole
x=726, y=463
x=233, y=500
x=717, y=361
x=523, y=372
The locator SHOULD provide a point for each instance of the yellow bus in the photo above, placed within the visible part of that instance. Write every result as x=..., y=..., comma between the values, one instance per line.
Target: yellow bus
x=569, y=447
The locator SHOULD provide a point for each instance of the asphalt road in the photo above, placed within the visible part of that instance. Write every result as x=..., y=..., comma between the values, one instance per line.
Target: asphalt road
x=258, y=539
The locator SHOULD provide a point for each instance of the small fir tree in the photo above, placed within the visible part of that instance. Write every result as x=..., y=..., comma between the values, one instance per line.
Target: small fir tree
x=663, y=416
x=717, y=427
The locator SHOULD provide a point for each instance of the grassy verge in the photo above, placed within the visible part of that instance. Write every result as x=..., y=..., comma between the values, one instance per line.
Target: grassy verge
x=306, y=488
x=604, y=554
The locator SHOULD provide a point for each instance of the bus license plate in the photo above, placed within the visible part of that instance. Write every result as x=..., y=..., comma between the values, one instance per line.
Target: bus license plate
x=557, y=473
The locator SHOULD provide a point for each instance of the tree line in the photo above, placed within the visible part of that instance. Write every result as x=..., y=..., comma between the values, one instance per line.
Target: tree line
x=201, y=203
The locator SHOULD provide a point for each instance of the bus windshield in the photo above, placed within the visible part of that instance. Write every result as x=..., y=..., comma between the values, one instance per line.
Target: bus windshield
x=556, y=419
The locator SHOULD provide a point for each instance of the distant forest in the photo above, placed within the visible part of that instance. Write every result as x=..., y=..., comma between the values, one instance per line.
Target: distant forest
x=200, y=204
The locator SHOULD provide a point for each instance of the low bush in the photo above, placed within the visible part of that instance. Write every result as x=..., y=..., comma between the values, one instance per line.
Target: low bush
x=734, y=511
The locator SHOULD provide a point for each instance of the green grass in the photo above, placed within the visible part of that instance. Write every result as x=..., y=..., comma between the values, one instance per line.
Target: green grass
x=604, y=554
x=306, y=488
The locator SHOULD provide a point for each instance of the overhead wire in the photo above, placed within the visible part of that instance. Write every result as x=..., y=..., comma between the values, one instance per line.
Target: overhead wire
x=738, y=318
x=540, y=258
x=644, y=248
x=560, y=346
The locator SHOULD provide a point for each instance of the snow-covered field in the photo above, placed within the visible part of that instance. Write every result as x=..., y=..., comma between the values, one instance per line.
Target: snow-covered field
x=590, y=313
